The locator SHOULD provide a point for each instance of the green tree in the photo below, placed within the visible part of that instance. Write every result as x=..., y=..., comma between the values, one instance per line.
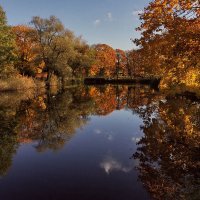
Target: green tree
x=55, y=46
x=84, y=58
x=7, y=46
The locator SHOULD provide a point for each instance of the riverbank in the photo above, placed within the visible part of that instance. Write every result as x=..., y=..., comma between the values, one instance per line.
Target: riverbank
x=20, y=83
x=23, y=84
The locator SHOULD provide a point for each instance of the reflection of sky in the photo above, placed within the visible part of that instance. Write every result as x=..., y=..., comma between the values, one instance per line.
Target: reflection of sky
x=118, y=124
x=94, y=164
x=122, y=130
x=110, y=164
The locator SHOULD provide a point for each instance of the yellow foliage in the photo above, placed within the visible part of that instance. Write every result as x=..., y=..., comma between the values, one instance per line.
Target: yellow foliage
x=192, y=78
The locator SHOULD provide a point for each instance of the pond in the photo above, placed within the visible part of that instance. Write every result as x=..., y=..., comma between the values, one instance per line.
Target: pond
x=99, y=143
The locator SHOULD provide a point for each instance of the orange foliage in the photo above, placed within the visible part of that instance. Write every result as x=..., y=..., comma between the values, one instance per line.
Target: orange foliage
x=122, y=61
x=169, y=43
x=26, y=49
x=109, y=99
x=105, y=61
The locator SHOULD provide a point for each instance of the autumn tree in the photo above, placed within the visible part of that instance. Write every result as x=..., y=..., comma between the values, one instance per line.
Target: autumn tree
x=122, y=62
x=26, y=50
x=136, y=65
x=105, y=57
x=170, y=40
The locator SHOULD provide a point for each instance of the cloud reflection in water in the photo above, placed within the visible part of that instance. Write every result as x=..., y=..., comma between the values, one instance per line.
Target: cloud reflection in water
x=109, y=164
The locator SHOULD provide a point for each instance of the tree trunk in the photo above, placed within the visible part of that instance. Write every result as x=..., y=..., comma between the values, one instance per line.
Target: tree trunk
x=49, y=75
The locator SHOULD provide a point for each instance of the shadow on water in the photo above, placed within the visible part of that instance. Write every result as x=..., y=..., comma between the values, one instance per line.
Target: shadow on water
x=166, y=156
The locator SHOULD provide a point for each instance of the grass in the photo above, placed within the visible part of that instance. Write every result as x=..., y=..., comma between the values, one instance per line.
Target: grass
x=20, y=83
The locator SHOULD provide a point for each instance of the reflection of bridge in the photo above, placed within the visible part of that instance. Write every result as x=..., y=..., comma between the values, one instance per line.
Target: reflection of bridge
x=98, y=80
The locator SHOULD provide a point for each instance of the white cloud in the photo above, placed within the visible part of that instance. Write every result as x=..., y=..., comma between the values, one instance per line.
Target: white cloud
x=110, y=138
x=137, y=12
x=109, y=164
x=135, y=139
x=97, y=22
x=109, y=16
x=98, y=131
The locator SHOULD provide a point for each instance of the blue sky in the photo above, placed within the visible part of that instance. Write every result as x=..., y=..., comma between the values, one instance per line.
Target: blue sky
x=98, y=21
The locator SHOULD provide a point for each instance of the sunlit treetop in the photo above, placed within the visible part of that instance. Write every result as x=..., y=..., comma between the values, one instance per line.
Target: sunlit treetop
x=160, y=14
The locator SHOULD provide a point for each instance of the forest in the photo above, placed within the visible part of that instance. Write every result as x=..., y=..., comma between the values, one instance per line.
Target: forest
x=45, y=53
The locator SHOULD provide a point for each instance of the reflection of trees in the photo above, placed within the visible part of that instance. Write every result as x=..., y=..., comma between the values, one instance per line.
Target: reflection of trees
x=110, y=98
x=169, y=152
x=48, y=120
x=66, y=114
x=105, y=99
x=53, y=120
x=8, y=123
x=8, y=146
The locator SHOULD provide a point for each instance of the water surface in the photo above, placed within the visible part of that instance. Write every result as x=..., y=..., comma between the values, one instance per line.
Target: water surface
x=102, y=143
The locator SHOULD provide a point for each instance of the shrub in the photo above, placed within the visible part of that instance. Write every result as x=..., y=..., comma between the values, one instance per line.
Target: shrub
x=17, y=83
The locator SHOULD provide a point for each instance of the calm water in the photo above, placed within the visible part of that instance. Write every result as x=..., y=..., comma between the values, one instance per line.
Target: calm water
x=99, y=143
